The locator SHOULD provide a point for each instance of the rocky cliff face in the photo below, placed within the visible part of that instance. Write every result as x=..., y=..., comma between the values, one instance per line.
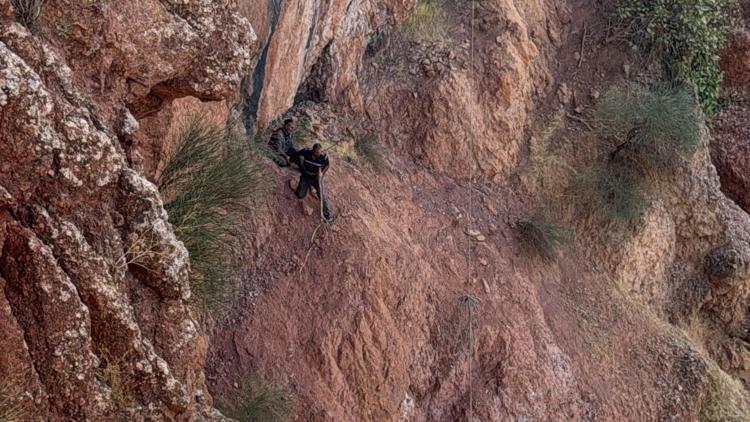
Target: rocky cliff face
x=418, y=303
x=366, y=321
x=323, y=40
x=94, y=314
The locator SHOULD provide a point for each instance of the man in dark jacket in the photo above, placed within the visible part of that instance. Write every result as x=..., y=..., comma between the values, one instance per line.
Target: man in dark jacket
x=313, y=163
x=282, y=142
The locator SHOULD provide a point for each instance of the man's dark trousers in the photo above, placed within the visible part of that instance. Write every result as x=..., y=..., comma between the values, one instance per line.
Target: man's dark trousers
x=305, y=183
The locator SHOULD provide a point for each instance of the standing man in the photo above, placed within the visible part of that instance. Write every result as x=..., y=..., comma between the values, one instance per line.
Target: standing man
x=313, y=164
x=282, y=142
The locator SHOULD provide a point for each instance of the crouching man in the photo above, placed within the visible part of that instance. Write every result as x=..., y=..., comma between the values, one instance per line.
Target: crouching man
x=283, y=143
x=313, y=164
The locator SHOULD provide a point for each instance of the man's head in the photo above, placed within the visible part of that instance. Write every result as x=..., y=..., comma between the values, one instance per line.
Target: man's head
x=289, y=125
x=317, y=150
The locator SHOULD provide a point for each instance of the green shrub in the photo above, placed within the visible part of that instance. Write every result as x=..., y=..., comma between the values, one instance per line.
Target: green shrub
x=539, y=237
x=687, y=35
x=612, y=192
x=210, y=182
x=27, y=11
x=428, y=21
x=652, y=126
x=369, y=149
x=258, y=401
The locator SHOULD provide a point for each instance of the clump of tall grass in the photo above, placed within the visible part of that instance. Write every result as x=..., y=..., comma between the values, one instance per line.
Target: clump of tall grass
x=537, y=236
x=28, y=11
x=611, y=192
x=428, y=21
x=258, y=401
x=653, y=126
x=210, y=183
x=11, y=409
x=370, y=151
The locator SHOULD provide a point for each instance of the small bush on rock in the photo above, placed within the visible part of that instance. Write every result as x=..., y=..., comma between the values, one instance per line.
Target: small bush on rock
x=209, y=185
x=653, y=126
x=687, y=35
x=539, y=237
x=258, y=401
x=613, y=193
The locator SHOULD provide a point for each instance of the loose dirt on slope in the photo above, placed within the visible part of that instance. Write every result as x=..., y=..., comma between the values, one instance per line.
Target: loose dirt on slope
x=371, y=328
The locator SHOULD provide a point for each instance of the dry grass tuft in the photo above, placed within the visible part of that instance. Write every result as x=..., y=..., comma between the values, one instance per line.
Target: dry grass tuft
x=11, y=407
x=428, y=21
x=539, y=237
x=724, y=401
x=28, y=11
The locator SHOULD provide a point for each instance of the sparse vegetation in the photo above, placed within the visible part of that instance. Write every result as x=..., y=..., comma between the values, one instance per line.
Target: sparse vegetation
x=428, y=21
x=653, y=126
x=370, y=151
x=259, y=401
x=686, y=35
x=303, y=137
x=111, y=373
x=612, y=192
x=210, y=183
x=649, y=130
x=724, y=401
x=28, y=11
x=539, y=237
x=11, y=409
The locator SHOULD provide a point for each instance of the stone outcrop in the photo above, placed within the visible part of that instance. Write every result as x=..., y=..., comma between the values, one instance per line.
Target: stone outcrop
x=299, y=36
x=95, y=318
x=464, y=109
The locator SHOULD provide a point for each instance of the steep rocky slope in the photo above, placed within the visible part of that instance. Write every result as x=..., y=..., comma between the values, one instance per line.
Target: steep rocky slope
x=368, y=319
x=628, y=325
x=94, y=320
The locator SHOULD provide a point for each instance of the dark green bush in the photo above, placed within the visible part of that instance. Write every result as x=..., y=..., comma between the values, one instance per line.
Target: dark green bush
x=652, y=127
x=539, y=237
x=686, y=35
x=258, y=401
x=209, y=185
x=612, y=192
